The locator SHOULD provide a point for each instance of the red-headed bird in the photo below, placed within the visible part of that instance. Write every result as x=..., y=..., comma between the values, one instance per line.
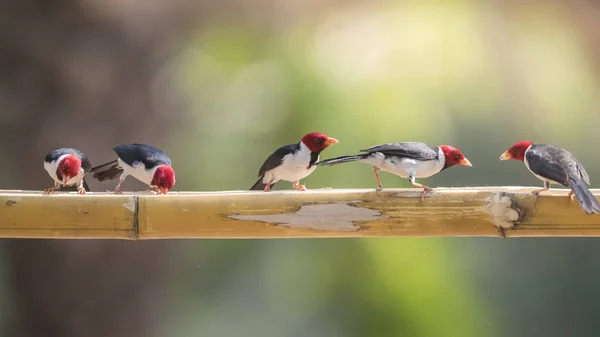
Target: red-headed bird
x=554, y=165
x=144, y=162
x=408, y=160
x=293, y=162
x=67, y=167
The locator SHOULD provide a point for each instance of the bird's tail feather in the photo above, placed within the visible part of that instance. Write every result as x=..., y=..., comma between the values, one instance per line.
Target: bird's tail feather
x=586, y=198
x=106, y=171
x=259, y=185
x=85, y=186
x=342, y=159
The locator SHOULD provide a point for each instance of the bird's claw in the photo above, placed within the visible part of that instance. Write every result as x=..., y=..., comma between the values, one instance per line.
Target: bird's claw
x=536, y=195
x=118, y=191
x=425, y=190
x=81, y=190
x=297, y=186
x=50, y=190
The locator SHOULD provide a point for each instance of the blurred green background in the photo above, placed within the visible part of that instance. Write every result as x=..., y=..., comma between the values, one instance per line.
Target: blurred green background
x=220, y=85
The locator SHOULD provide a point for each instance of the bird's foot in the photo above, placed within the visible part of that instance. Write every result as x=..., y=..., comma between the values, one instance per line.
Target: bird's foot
x=537, y=192
x=571, y=195
x=50, y=190
x=80, y=190
x=118, y=191
x=425, y=190
x=300, y=187
x=267, y=188
x=536, y=195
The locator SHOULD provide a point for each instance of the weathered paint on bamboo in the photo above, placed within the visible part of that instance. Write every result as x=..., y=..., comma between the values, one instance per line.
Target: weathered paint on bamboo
x=294, y=214
x=65, y=215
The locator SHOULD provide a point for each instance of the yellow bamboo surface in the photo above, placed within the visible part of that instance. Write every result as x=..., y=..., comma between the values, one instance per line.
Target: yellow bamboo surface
x=476, y=211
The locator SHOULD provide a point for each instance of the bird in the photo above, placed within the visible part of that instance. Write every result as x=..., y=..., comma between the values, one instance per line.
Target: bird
x=67, y=167
x=555, y=165
x=409, y=160
x=293, y=162
x=144, y=162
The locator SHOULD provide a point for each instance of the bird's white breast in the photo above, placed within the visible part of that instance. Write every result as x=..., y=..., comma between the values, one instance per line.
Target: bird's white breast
x=138, y=171
x=51, y=168
x=294, y=167
x=405, y=167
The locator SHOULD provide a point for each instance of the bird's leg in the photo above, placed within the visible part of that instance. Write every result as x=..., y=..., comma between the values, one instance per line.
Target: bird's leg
x=80, y=188
x=296, y=185
x=118, y=188
x=425, y=188
x=379, y=187
x=121, y=180
x=51, y=189
x=536, y=193
x=268, y=187
x=571, y=195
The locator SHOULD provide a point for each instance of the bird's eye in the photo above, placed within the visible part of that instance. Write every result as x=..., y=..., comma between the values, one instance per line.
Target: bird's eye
x=319, y=140
x=513, y=151
x=457, y=156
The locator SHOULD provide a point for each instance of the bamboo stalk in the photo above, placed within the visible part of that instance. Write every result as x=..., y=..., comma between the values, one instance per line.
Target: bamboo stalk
x=476, y=211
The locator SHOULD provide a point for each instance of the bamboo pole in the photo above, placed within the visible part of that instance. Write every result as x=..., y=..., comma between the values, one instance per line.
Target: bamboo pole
x=476, y=211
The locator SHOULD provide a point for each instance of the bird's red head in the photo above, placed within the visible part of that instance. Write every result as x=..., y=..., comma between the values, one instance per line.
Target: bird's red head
x=318, y=142
x=517, y=151
x=454, y=156
x=164, y=179
x=69, y=167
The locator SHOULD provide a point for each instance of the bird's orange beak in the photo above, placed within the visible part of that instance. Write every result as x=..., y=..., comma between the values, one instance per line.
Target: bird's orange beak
x=66, y=180
x=331, y=141
x=505, y=156
x=466, y=162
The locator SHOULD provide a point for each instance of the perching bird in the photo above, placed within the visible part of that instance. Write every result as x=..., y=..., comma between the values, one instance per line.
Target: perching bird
x=145, y=163
x=554, y=165
x=67, y=167
x=408, y=160
x=293, y=162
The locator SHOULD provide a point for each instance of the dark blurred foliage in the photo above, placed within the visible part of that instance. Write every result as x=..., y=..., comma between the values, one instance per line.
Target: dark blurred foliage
x=219, y=85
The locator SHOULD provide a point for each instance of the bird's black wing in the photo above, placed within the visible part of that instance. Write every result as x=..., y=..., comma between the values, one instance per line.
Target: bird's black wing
x=552, y=163
x=54, y=155
x=145, y=154
x=412, y=150
x=276, y=157
x=86, y=164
